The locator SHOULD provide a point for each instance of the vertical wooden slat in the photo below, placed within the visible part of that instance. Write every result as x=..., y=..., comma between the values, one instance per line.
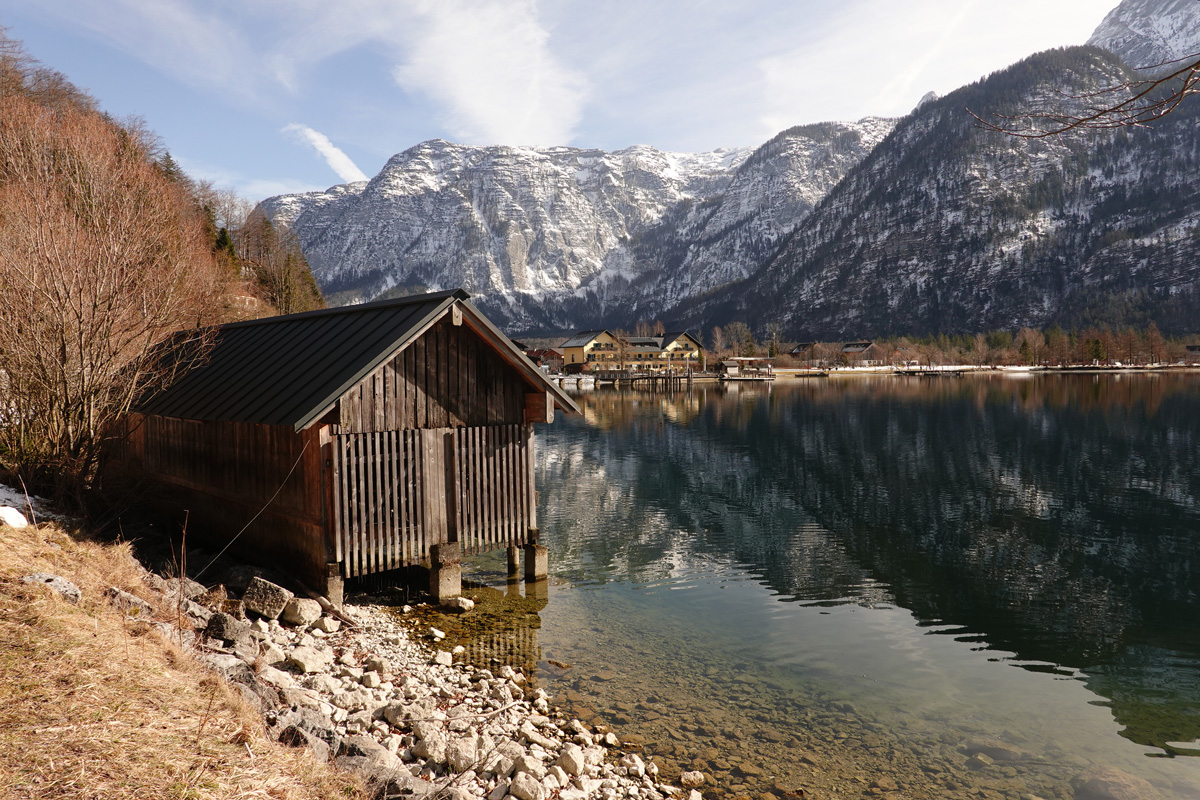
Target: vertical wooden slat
x=393, y=499
x=510, y=482
x=518, y=483
x=352, y=505
x=531, y=472
x=339, y=473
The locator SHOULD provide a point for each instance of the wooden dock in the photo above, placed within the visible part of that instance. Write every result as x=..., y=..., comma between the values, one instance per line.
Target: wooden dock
x=651, y=381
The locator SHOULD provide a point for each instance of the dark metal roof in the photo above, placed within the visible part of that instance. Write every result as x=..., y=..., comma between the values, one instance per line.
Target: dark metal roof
x=856, y=347
x=290, y=370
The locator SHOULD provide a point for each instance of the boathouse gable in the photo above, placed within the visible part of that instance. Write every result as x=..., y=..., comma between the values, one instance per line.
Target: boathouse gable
x=351, y=440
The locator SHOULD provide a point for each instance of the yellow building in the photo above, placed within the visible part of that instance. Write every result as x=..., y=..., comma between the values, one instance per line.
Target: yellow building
x=603, y=351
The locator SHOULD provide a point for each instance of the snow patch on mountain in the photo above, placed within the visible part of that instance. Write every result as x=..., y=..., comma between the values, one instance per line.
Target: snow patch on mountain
x=1147, y=33
x=565, y=236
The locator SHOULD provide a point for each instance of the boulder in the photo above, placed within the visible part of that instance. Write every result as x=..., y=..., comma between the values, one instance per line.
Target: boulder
x=463, y=604
x=131, y=605
x=431, y=747
x=296, y=736
x=327, y=625
x=301, y=612
x=526, y=787
x=227, y=629
x=531, y=765
x=634, y=765
x=1110, y=783
x=692, y=779
x=571, y=760
x=12, y=518
x=265, y=598
x=67, y=590
x=461, y=753
x=310, y=659
x=185, y=586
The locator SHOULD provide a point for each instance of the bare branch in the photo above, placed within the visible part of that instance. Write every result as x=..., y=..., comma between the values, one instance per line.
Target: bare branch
x=1123, y=105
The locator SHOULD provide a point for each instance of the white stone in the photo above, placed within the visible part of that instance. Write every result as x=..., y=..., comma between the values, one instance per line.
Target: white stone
x=461, y=753
x=371, y=680
x=530, y=764
x=459, y=603
x=327, y=625
x=525, y=787
x=443, y=658
x=695, y=795
x=458, y=650
x=301, y=611
x=572, y=760
x=12, y=518
x=691, y=779
x=634, y=764
x=432, y=747
x=559, y=774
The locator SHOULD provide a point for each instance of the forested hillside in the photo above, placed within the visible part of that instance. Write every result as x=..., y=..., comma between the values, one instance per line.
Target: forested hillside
x=107, y=250
x=949, y=227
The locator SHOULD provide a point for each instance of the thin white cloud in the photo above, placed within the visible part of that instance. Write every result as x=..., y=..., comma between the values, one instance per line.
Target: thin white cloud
x=488, y=65
x=880, y=57
x=337, y=160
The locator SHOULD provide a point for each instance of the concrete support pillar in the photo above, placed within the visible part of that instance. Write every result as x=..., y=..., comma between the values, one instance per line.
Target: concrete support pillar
x=514, y=562
x=335, y=586
x=445, y=571
x=537, y=562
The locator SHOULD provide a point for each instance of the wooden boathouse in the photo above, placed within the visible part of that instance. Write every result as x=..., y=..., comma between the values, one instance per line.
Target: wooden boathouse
x=351, y=441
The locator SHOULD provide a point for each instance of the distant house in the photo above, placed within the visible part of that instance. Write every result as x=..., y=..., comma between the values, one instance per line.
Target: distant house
x=803, y=349
x=864, y=354
x=353, y=440
x=590, y=351
x=549, y=359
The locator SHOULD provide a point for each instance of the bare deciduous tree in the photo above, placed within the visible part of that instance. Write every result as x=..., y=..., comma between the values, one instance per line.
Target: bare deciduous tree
x=102, y=258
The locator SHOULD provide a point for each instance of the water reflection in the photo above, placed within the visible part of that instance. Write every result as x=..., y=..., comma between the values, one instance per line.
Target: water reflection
x=1053, y=520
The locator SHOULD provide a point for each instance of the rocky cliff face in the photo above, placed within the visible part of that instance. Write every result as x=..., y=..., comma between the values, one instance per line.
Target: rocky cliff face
x=565, y=237
x=1146, y=33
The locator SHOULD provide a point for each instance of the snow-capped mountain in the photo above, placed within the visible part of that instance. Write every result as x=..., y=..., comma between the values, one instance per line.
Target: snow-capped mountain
x=564, y=237
x=947, y=226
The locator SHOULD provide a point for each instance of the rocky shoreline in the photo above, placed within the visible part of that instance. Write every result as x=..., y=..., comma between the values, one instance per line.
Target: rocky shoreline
x=402, y=715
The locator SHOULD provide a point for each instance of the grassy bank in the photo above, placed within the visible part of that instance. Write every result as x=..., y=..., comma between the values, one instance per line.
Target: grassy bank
x=95, y=704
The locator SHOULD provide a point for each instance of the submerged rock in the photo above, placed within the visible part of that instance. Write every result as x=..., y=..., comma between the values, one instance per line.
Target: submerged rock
x=1111, y=783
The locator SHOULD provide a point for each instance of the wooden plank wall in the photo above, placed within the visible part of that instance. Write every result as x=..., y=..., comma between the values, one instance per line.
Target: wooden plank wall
x=396, y=493
x=448, y=378
x=224, y=473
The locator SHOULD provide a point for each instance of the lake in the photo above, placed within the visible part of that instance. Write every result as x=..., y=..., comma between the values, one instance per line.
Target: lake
x=979, y=587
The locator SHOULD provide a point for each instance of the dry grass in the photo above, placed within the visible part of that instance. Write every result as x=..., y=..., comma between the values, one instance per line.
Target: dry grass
x=93, y=705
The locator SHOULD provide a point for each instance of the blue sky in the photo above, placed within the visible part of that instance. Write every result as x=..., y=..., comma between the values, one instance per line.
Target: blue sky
x=273, y=96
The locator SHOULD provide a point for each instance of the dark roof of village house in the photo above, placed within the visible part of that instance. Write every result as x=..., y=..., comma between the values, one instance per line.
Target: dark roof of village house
x=290, y=370
x=582, y=338
x=856, y=347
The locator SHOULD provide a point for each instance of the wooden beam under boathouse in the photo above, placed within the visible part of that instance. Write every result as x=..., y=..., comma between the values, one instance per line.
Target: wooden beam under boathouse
x=353, y=441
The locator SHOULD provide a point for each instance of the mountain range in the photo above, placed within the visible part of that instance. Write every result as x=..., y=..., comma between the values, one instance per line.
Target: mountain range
x=932, y=222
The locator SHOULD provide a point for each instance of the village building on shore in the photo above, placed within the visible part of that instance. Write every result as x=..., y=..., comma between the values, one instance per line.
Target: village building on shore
x=602, y=350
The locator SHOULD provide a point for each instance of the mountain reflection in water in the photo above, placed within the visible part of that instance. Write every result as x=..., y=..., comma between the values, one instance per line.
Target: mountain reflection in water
x=1053, y=519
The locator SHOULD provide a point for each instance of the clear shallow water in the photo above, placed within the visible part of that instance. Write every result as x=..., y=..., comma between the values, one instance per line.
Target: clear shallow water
x=986, y=587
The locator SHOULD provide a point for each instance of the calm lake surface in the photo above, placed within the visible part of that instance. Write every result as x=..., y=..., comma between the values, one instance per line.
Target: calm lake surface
x=979, y=587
